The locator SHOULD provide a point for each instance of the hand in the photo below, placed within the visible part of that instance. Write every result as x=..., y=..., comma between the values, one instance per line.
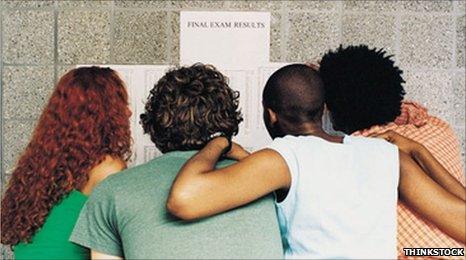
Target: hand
x=405, y=144
x=237, y=152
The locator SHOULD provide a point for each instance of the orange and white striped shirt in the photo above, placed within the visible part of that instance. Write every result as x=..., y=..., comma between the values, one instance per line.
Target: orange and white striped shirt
x=438, y=137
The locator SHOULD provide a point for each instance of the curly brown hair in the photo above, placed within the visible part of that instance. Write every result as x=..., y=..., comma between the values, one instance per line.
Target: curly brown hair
x=189, y=104
x=86, y=119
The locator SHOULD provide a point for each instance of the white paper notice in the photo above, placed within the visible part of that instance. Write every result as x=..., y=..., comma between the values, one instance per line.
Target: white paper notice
x=234, y=40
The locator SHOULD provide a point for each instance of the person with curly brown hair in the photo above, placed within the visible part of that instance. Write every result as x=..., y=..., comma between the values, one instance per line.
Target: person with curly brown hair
x=82, y=136
x=126, y=215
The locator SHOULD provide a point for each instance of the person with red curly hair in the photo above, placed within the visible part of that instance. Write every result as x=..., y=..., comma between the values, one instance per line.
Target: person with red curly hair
x=82, y=136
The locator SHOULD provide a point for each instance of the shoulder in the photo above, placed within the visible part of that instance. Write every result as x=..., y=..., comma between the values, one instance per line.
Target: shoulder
x=440, y=128
x=365, y=140
x=108, y=166
x=436, y=134
x=135, y=176
x=437, y=122
x=282, y=145
x=106, y=169
x=371, y=143
x=286, y=141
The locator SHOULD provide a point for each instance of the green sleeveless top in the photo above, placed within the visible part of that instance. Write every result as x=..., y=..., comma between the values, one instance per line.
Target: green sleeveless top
x=51, y=241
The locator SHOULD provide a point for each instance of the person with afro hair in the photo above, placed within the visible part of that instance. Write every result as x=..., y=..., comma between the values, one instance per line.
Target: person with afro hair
x=364, y=96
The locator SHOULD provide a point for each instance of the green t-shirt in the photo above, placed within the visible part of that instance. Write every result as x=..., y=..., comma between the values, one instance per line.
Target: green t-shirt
x=126, y=216
x=51, y=240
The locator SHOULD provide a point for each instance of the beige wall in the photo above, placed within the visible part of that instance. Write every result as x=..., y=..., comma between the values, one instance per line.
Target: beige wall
x=41, y=39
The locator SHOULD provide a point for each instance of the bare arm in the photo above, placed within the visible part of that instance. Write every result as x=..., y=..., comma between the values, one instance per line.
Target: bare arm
x=98, y=255
x=438, y=173
x=200, y=191
x=428, y=162
x=429, y=199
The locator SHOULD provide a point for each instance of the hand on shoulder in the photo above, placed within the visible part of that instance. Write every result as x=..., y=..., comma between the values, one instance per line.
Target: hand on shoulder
x=405, y=144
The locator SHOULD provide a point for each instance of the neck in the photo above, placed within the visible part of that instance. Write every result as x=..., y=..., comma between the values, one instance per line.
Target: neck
x=314, y=129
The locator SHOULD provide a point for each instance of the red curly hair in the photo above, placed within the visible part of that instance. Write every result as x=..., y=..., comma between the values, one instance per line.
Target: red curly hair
x=86, y=119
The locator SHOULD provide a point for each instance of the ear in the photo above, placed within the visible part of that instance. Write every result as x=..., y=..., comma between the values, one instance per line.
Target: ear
x=272, y=115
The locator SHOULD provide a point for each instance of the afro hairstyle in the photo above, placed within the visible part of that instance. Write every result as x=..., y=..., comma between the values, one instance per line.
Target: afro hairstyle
x=363, y=87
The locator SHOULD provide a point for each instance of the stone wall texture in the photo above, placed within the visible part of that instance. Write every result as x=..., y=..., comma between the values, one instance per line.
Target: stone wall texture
x=40, y=40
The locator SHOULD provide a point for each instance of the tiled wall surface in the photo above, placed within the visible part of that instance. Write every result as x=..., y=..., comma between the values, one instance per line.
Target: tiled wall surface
x=41, y=39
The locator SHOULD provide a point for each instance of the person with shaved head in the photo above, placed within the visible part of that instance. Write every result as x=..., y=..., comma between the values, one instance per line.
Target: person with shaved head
x=336, y=196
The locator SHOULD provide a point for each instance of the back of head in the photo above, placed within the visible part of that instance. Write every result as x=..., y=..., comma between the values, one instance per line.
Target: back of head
x=363, y=87
x=295, y=92
x=189, y=104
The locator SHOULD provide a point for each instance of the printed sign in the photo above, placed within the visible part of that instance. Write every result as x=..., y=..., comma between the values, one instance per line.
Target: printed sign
x=234, y=40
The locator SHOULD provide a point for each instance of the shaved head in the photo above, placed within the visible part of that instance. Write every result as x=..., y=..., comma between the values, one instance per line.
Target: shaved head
x=296, y=93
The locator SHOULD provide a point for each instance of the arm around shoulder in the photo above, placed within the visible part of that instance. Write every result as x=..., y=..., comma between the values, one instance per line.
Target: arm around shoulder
x=425, y=196
x=200, y=190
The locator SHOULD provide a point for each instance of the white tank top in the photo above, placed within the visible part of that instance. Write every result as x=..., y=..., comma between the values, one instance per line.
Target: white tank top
x=342, y=199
